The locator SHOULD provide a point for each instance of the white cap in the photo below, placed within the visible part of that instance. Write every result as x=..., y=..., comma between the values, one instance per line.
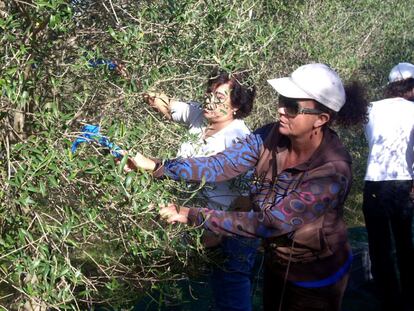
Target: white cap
x=401, y=71
x=315, y=81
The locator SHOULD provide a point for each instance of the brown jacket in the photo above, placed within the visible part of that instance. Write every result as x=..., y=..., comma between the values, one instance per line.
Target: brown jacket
x=298, y=211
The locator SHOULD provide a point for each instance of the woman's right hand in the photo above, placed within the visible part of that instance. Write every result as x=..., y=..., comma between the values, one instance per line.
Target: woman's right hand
x=173, y=213
x=138, y=162
x=159, y=101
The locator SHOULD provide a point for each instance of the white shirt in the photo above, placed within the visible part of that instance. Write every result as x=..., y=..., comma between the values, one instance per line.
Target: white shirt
x=390, y=136
x=219, y=194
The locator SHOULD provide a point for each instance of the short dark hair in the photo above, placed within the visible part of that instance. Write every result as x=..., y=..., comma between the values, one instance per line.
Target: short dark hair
x=242, y=92
x=403, y=88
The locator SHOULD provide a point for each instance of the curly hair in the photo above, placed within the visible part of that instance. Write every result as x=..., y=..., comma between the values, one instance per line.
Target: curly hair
x=355, y=109
x=402, y=88
x=242, y=93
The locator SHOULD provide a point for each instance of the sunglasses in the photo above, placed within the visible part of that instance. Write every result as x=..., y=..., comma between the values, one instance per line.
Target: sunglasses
x=292, y=107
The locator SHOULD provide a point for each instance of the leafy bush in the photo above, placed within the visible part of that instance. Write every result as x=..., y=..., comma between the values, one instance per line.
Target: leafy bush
x=75, y=230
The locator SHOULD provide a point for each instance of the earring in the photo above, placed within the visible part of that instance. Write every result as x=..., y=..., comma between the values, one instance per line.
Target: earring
x=234, y=112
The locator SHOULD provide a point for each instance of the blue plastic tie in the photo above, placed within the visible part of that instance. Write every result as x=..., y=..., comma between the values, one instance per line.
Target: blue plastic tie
x=90, y=134
x=97, y=62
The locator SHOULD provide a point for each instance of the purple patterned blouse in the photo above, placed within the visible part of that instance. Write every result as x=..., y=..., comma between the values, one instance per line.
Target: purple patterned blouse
x=298, y=211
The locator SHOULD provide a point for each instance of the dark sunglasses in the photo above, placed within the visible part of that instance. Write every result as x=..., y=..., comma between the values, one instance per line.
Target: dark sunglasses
x=292, y=107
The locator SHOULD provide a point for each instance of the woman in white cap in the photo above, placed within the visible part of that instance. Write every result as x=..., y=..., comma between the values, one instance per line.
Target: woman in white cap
x=388, y=208
x=302, y=176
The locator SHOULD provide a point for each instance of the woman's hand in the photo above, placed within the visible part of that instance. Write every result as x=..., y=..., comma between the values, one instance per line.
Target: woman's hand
x=142, y=162
x=138, y=162
x=159, y=101
x=173, y=213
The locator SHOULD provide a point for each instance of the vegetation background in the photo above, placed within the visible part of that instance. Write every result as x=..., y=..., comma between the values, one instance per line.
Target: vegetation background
x=78, y=233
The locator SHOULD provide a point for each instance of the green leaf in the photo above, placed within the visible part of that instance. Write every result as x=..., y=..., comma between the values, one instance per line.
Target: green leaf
x=122, y=164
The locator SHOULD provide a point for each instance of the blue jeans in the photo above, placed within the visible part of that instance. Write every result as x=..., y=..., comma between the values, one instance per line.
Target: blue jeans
x=231, y=283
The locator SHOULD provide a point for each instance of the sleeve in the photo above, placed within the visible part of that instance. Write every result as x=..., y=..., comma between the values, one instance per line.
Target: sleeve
x=231, y=162
x=190, y=113
x=305, y=204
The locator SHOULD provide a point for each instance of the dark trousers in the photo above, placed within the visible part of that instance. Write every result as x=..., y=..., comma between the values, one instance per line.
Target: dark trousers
x=290, y=297
x=388, y=212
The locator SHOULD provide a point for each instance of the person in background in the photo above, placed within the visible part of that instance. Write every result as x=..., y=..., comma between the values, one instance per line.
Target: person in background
x=387, y=206
x=217, y=124
x=302, y=176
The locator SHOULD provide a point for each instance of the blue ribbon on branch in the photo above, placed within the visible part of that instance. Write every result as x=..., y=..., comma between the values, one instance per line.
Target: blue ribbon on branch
x=90, y=134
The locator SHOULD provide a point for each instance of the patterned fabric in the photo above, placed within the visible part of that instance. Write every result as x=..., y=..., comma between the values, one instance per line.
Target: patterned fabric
x=283, y=204
x=391, y=147
x=298, y=211
x=237, y=159
x=287, y=209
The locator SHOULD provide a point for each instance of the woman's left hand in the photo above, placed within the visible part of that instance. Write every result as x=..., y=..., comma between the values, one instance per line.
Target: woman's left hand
x=173, y=213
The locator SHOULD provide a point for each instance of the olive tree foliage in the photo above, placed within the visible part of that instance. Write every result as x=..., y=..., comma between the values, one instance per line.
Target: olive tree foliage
x=75, y=230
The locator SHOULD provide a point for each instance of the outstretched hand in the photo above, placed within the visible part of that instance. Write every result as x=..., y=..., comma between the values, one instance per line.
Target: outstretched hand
x=173, y=213
x=158, y=101
x=138, y=162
